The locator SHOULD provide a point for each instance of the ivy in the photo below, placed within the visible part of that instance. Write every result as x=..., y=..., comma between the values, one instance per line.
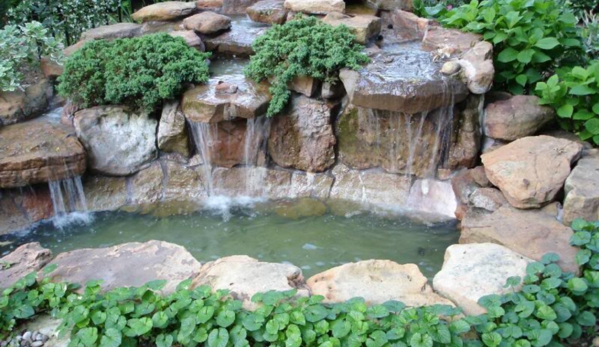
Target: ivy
x=304, y=46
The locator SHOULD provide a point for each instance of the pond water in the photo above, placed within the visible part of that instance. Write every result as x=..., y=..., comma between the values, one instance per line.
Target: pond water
x=313, y=243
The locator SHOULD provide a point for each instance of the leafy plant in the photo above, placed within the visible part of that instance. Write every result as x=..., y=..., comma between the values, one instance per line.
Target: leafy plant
x=302, y=47
x=22, y=46
x=574, y=93
x=139, y=72
x=580, y=6
x=590, y=34
x=531, y=37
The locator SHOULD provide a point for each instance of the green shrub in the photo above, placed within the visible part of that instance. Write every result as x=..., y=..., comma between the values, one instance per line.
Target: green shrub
x=531, y=37
x=590, y=34
x=139, y=72
x=574, y=93
x=302, y=47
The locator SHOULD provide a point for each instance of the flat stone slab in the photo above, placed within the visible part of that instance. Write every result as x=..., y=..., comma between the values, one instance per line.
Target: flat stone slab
x=315, y=6
x=128, y=265
x=406, y=80
x=114, y=31
x=24, y=260
x=38, y=152
x=210, y=103
x=376, y=281
x=476, y=270
x=165, y=11
x=245, y=276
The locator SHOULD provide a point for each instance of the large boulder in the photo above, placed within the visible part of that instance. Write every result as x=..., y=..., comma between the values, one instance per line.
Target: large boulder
x=364, y=27
x=302, y=138
x=172, y=132
x=119, y=142
x=207, y=22
x=532, y=170
x=245, y=276
x=472, y=271
x=24, y=260
x=516, y=117
x=191, y=38
x=414, y=86
x=315, y=6
x=38, y=152
x=582, y=190
x=114, y=31
x=376, y=281
x=449, y=41
x=165, y=11
x=225, y=98
x=532, y=233
x=19, y=105
x=268, y=11
x=128, y=265
x=236, y=42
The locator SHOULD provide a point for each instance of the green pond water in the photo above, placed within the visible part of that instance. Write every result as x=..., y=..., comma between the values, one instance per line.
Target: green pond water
x=313, y=243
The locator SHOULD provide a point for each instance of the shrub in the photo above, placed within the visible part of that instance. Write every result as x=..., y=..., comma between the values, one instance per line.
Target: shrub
x=302, y=47
x=531, y=37
x=590, y=34
x=20, y=48
x=139, y=72
x=574, y=93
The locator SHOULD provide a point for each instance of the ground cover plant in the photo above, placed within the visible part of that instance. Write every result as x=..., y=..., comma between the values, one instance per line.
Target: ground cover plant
x=302, y=47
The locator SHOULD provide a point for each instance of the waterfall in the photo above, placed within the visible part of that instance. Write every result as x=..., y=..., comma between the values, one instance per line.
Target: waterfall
x=204, y=136
x=68, y=202
x=255, y=145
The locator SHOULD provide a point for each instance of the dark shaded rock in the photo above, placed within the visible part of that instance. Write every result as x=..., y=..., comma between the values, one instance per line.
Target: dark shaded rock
x=172, y=132
x=19, y=105
x=467, y=135
x=22, y=207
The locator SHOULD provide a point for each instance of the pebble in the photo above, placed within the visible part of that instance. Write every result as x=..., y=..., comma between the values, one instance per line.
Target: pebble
x=27, y=336
x=27, y=339
x=37, y=344
x=450, y=68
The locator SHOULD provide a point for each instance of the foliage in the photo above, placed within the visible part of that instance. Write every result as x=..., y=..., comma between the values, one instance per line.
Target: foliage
x=552, y=308
x=580, y=6
x=22, y=46
x=530, y=37
x=590, y=34
x=574, y=93
x=139, y=72
x=302, y=47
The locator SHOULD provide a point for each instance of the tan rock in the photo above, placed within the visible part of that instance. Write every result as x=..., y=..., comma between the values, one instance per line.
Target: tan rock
x=172, y=132
x=19, y=105
x=252, y=181
x=489, y=199
x=472, y=271
x=315, y=6
x=310, y=185
x=477, y=67
x=104, y=193
x=582, y=190
x=19, y=209
x=24, y=260
x=407, y=26
x=165, y=11
x=211, y=5
x=182, y=183
x=50, y=69
x=304, y=85
x=268, y=11
x=207, y=22
x=452, y=41
x=191, y=38
x=114, y=31
x=235, y=42
x=532, y=233
x=376, y=281
x=245, y=277
x=146, y=186
x=532, y=170
x=236, y=7
x=152, y=260
x=364, y=27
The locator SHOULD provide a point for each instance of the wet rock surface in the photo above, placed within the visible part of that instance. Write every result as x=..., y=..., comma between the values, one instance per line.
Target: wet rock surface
x=235, y=42
x=118, y=141
x=472, y=271
x=377, y=281
x=532, y=170
x=20, y=208
x=38, y=152
x=22, y=261
x=268, y=11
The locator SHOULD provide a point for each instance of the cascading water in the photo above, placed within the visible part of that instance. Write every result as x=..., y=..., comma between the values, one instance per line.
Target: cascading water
x=68, y=202
x=204, y=135
x=256, y=139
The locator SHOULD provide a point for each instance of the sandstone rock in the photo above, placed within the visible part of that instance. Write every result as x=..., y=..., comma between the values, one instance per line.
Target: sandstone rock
x=516, y=117
x=582, y=190
x=170, y=27
x=304, y=85
x=364, y=27
x=164, y=11
x=466, y=139
x=532, y=170
x=236, y=42
x=532, y=233
x=415, y=86
x=182, y=183
x=268, y=11
x=315, y=6
x=50, y=69
x=377, y=281
x=207, y=22
x=210, y=5
x=405, y=26
x=452, y=41
x=103, y=193
x=464, y=184
x=74, y=48
x=301, y=208
x=245, y=276
x=477, y=67
x=303, y=138
x=147, y=186
x=389, y=5
x=152, y=260
x=489, y=199
x=204, y=104
x=114, y=31
x=473, y=271
x=191, y=38
x=118, y=141
x=172, y=133
x=19, y=105
x=38, y=152
x=376, y=188
x=24, y=260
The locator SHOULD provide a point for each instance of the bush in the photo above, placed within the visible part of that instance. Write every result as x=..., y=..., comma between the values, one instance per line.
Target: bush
x=531, y=37
x=574, y=93
x=302, y=47
x=139, y=72
x=552, y=308
x=590, y=34
x=21, y=48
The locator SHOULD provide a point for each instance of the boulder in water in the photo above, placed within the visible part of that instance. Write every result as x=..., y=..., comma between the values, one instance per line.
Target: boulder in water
x=235, y=42
x=268, y=11
x=207, y=22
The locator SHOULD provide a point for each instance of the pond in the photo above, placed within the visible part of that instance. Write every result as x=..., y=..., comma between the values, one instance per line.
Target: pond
x=263, y=231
